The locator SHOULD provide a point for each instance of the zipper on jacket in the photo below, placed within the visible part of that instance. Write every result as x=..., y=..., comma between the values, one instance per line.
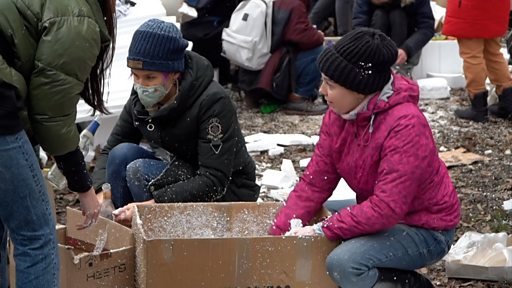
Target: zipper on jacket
x=460, y=3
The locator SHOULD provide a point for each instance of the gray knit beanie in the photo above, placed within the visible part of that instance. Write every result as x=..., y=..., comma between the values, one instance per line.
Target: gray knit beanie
x=360, y=61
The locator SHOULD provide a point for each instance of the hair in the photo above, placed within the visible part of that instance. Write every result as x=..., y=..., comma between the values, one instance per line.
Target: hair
x=92, y=92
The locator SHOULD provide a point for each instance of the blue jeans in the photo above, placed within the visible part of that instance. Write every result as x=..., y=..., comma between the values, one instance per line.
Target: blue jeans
x=307, y=74
x=130, y=169
x=354, y=262
x=25, y=212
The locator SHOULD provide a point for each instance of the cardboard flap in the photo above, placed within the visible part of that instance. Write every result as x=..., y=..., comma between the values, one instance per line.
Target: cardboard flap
x=118, y=236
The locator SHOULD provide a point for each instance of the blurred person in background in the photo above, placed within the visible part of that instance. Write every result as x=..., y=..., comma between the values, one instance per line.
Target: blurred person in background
x=479, y=27
x=409, y=23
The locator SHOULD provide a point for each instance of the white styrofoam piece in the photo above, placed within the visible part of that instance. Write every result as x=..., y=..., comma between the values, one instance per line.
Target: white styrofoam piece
x=315, y=139
x=342, y=192
x=275, y=179
x=278, y=150
x=434, y=88
x=256, y=137
x=259, y=146
x=454, y=80
x=438, y=56
x=303, y=163
x=281, y=139
x=280, y=194
x=438, y=12
x=293, y=139
x=507, y=205
x=287, y=167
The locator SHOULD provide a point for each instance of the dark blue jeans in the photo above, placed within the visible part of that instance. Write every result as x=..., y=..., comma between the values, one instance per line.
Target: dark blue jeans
x=130, y=169
x=25, y=212
x=307, y=74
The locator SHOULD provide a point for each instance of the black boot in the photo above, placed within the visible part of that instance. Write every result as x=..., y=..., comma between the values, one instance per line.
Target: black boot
x=478, y=110
x=395, y=278
x=504, y=107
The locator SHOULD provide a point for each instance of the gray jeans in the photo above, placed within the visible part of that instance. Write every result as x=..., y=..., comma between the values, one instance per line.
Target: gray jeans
x=340, y=9
x=354, y=262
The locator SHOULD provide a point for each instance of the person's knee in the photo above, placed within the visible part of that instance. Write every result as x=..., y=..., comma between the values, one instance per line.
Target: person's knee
x=135, y=171
x=380, y=20
x=121, y=153
x=338, y=263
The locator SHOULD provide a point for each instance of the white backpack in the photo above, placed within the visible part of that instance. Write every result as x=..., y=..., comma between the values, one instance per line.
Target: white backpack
x=247, y=40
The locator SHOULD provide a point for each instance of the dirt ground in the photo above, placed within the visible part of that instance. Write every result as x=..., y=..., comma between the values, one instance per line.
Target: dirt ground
x=482, y=186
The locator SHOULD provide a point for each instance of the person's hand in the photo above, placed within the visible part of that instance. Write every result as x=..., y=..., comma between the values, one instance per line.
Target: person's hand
x=302, y=231
x=90, y=208
x=402, y=57
x=124, y=214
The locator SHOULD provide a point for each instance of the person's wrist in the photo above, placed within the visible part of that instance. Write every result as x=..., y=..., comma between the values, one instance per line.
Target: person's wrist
x=318, y=229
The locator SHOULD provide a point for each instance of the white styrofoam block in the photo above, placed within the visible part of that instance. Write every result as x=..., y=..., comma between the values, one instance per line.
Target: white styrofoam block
x=303, y=163
x=454, y=80
x=281, y=139
x=280, y=194
x=278, y=150
x=256, y=137
x=260, y=146
x=275, y=179
x=434, y=88
x=342, y=192
x=293, y=139
x=287, y=167
x=439, y=56
x=315, y=139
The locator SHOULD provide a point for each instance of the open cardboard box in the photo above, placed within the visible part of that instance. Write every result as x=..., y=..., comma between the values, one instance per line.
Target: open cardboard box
x=112, y=266
x=223, y=245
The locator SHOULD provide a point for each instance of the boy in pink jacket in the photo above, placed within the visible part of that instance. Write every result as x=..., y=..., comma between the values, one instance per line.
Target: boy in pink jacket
x=376, y=138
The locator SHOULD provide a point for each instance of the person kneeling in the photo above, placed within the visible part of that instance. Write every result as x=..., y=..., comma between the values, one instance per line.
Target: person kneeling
x=375, y=137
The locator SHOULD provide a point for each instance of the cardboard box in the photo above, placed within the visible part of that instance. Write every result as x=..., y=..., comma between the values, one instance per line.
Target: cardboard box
x=456, y=269
x=223, y=245
x=112, y=266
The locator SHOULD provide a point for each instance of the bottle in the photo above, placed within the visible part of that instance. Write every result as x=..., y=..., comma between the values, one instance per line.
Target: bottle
x=86, y=145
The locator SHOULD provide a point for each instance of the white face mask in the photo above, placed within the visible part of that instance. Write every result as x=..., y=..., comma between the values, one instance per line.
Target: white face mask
x=150, y=95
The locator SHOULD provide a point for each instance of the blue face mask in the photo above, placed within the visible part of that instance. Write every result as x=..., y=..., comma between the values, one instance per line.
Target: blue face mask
x=150, y=95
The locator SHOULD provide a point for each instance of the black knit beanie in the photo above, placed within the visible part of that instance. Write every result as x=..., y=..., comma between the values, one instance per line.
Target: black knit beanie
x=360, y=61
x=157, y=46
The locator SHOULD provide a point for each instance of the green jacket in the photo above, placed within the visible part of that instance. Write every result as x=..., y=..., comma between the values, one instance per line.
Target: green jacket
x=53, y=45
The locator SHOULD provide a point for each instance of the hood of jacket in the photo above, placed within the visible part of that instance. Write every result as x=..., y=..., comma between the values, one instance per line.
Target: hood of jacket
x=398, y=90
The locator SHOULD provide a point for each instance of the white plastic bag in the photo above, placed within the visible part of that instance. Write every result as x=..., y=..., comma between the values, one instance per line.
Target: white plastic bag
x=475, y=248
